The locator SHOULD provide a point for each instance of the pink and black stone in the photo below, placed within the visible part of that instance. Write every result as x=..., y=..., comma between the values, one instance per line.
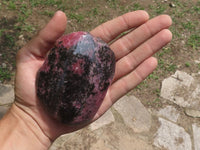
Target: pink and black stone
x=74, y=78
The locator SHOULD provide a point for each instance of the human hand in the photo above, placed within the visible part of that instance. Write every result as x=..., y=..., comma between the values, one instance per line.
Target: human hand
x=134, y=62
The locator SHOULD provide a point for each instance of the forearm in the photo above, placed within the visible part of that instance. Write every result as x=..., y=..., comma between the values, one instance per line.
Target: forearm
x=20, y=132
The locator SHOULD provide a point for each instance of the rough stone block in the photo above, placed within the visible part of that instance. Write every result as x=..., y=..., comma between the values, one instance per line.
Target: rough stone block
x=135, y=115
x=196, y=135
x=170, y=113
x=6, y=94
x=172, y=137
x=106, y=119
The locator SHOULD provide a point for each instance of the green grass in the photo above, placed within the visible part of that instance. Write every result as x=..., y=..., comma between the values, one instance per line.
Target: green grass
x=137, y=6
x=28, y=28
x=77, y=17
x=160, y=9
x=142, y=85
x=171, y=67
x=157, y=92
x=95, y=11
x=165, y=60
x=11, y=5
x=25, y=11
x=35, y=3
x=194, y=41
x=87, y=14
x=196, y=8
x=188, y=25
x=5, y=74
x=9, y=40
x=155, y=103
x=112, y=3
x=47, y=13
x=187, y=64
x=153, y=76
x=177, y=3
x=165, y=51
x=1, y=32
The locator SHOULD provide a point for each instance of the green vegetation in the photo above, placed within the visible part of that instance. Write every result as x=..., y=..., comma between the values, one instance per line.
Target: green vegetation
x=27, y=17
x=187, y=64
x=11, y=5
x=47, y=13
x=77, y=17
x=5, y=74
x=194, y=40
x=1, y=32
x=188, y=25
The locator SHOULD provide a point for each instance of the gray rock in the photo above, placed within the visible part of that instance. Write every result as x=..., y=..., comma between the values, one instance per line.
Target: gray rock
x=129, y=112
x=184, y=78
x=192, y=113
x=3, y=110
x=134, y=114
x=181, y=101
x=196, y=135
x=133, y=143
x=3, y=65
x=115, y=137
x=182, y=89
x=6, y=94
x=172, y=5
x=169, y=113
x=125, y=143
x=197, y=61
x=169, y=85
x=172, y=137
x=196, y=92
x=106, y=119
x=58, y=143
x=21, y=37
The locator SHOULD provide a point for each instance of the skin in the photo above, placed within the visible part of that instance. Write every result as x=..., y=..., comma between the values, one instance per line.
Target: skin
x=27, y=126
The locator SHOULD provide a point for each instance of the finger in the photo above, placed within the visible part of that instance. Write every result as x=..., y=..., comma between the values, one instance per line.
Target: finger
x=46, y=38
x=130, y=81
x=111, y=29
x=132, y=40
x=147, y=49
x=127, y=83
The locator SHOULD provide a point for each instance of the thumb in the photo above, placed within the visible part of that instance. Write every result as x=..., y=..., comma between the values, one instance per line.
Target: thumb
x=45, y=39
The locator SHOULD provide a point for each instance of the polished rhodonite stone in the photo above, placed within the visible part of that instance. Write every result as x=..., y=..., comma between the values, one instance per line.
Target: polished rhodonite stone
x=74, y=78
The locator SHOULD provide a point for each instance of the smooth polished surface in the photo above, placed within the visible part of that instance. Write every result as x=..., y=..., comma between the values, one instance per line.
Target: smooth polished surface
x=74, y=78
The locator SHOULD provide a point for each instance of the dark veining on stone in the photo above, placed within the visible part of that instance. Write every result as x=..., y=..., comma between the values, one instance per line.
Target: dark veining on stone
x=74, y=78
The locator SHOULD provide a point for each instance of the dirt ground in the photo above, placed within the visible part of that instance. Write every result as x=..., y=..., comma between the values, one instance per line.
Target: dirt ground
x=21, y=20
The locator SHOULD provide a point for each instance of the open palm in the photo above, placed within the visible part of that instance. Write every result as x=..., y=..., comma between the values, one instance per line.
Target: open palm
x=134, y=61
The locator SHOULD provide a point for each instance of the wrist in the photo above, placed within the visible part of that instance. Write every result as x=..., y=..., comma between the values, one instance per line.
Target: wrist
x=19, y=131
